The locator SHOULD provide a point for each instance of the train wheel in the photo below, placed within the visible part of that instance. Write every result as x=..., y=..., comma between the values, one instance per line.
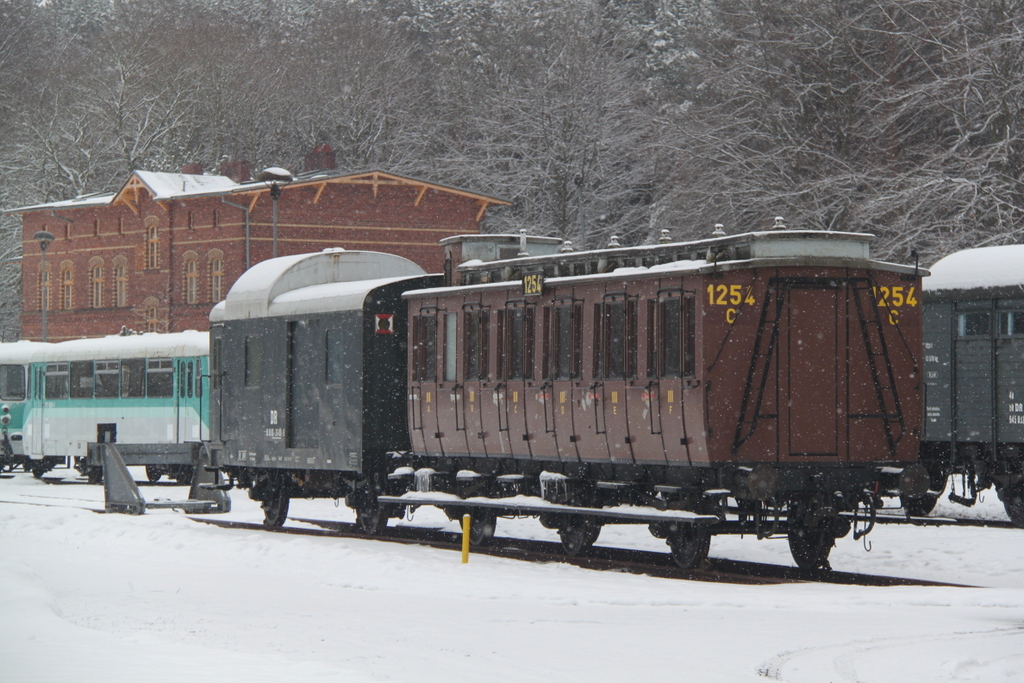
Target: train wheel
x=153, y=473
x=811, y=546
x=38, y=470
x=578, y=533
x=371, y=520
x=1013, y=502
x=690, y=545
x=94, y=475
x=481, y=527
x=275, y=507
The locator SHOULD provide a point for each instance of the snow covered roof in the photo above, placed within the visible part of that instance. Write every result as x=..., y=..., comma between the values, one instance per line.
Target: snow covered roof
x=982, y=268
x=170, y=186
x=19, y=352
x=80, y=202
x=273, y=287
x=173, y=185
x=151, y=345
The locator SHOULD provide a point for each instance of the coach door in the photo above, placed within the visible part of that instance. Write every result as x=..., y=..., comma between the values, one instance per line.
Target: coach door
x=305, y=381
x=451, y=393
x=810, y=419
x=476, y=355
x=565, y=372
x=615, y=367
x=516, y=367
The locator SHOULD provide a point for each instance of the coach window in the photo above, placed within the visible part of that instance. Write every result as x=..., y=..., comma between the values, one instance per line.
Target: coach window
x=566, y=352
x=253, y=361
x=519, y=342
x=81, y=379
x=12, y=382
x=615, y=351
x=974, y=324
x=342, y=358
x=424, y=347
x=160, y=378
x=475, y=333
x=1011, y=323
x=451, y=329
x=56, y=381
x=191, y=378
x=215, y=363
x=105, y=384
x=133, y=378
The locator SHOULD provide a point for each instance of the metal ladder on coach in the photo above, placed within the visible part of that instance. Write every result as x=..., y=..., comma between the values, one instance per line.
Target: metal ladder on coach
x=883, y=379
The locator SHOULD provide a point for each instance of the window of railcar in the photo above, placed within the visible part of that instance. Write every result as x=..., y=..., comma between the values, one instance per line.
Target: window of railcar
x=12, y=382
x=974, y=324
x=133, y=378
x=215, y=363
x=190, y=369
x=618, y=344
x=106, y=385
x=342, y=357
x=424, y=349
x=1011, y=323
x=475, y=333
x=253, y=361
x=566, y=341
x=519, y=342
x=160, y=378
x=56, y=381
x=665, y=338
x=81, y=379
x=451, y=359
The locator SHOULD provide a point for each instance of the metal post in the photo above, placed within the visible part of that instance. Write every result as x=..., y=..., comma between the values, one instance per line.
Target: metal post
x=465, y=538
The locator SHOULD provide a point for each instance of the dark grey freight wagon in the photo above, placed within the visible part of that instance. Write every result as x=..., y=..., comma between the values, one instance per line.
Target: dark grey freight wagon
x=974, y=376
x=308, y=360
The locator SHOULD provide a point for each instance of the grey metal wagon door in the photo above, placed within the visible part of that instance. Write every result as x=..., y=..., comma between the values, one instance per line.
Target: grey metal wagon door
x=305, y=381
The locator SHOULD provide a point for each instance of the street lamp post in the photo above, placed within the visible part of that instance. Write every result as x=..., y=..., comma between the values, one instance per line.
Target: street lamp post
x=276, y=178
x=44, y=237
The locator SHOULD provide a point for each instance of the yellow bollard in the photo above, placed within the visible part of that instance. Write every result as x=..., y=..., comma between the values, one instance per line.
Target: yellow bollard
x=465, y=538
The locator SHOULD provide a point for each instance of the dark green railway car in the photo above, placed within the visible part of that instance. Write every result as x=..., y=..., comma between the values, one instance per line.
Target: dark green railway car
x=308, y=357
x=974, y=376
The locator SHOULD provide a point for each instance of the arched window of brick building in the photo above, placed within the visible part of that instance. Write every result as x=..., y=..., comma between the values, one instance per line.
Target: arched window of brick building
x=216, y=259
x=44, y=290
x=151, y=310
x=67, y=285
x=120, y=282
x=152, y=243
x=191, y=260
x=96, y=282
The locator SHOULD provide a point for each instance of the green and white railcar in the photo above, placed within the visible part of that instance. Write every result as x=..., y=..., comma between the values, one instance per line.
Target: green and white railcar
x=14, y=392
x=147, y=389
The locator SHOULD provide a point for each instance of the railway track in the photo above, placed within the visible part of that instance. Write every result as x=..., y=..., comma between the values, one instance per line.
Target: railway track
x=599, y=558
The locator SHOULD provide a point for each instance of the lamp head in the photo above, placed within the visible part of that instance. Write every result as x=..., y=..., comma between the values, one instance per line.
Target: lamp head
x=44, y=237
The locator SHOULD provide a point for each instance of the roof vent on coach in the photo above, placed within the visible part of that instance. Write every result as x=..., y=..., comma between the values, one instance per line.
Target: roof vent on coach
x=779, y=224
x=719, y=230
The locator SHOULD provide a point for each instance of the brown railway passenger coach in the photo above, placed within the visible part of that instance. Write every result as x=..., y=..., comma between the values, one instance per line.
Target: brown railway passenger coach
x=770, y=379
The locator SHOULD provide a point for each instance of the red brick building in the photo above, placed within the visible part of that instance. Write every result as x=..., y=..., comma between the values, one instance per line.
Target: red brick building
x=157, y=254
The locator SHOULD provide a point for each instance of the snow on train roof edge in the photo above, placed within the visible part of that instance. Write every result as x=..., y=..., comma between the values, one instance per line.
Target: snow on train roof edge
x=148, y=345
x=253, y=295
x=981, y=268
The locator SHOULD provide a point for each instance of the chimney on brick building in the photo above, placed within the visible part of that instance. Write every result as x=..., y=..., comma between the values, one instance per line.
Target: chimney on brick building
x=321, y=158
x=192, y=169
x=240, y=171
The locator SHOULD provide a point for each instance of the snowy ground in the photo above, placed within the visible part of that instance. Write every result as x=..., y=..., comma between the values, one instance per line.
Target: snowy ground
x=90, y=597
